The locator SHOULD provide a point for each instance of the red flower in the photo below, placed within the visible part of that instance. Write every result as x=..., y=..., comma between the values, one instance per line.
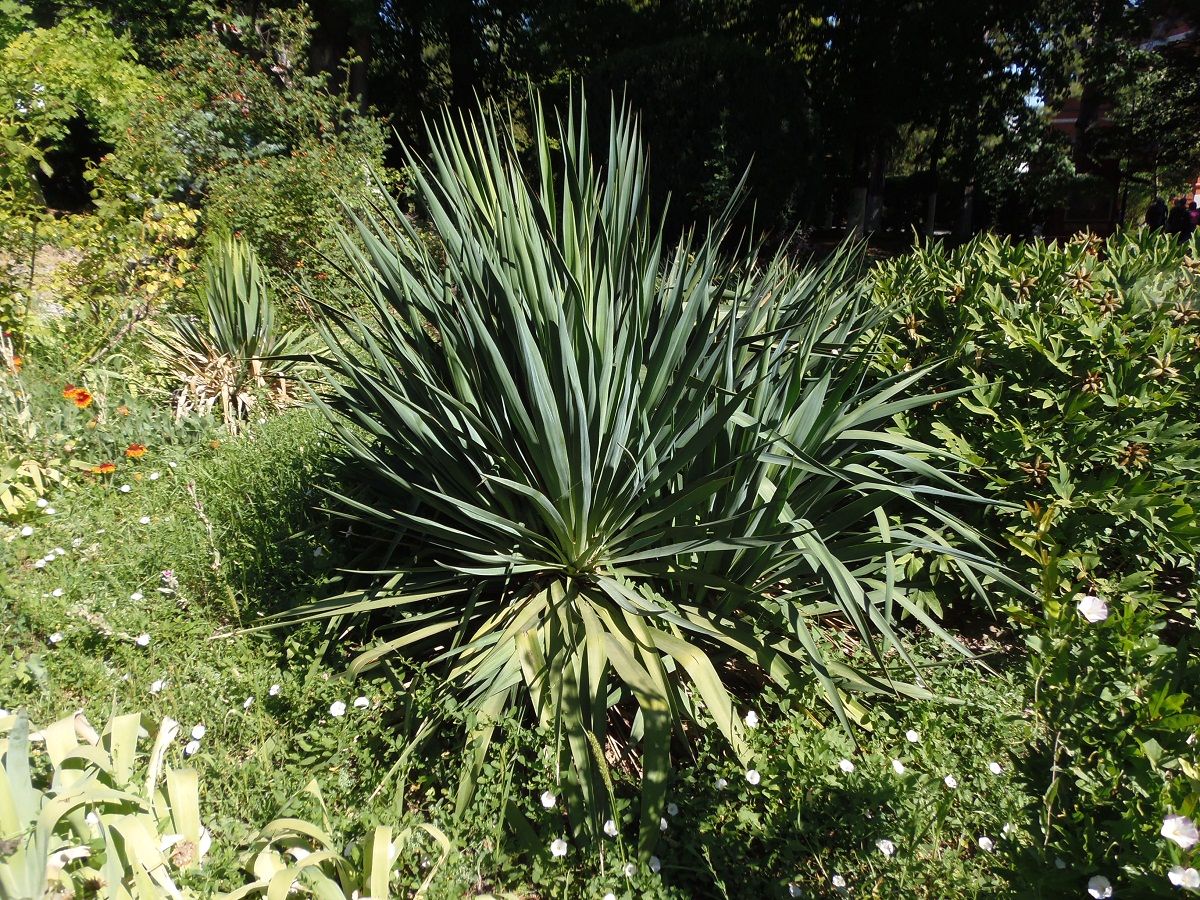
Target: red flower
x=135, y=451
x=105, y=468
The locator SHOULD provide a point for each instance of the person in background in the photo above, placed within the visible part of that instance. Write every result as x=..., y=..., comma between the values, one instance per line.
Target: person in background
x=1179, y=221
x=1194, y=214
x=1156, y=213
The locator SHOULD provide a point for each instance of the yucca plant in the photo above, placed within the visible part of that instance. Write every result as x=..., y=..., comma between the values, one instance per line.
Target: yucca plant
x=239, y=350
x=100, y=822
x=294, y=857
x=611, y=482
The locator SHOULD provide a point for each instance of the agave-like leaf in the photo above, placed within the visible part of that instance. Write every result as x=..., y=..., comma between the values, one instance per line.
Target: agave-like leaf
x=601, y=475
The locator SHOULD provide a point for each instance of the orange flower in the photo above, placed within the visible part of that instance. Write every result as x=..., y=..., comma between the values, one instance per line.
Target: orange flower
x=17, y=362
x=81, y=397
x=105, y=468
x=135, y=451
x=69, y=392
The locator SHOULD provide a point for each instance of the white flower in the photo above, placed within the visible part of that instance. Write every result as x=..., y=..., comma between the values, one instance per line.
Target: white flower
x=361, y=703
x=56, y=637
x=662, y=823
x=548, y=799
x=93, y=819
x=1092, y=608
x=610, y=896
x=558, y=847
x=42, y=503
x=1008, y=828
x=273, y=691
x=142, y=640
x=337, y=708
x=1181, y=830
x=59, y=551
x=655, y=864
x=753, y=777
x=886, y=847
x=1099, y=887
x=630, y=870
x=751, y=719
x=722, y=783
x=995, y=768
x=672, y=809
x=144, y=520
x=198, y=732
x=794, y=890
x=191, y=747
x=50, y=510
x=951, y=782
x=57, y=592
x=986, y=844
x=846, y=766
x=897, y=767
x=77, y=542
x=40, y=564
x=154, y=476
x=838, y=881
x=157, y=685
x=1189, y=879
x=247, y=703
x=136, y=596
x=172, y=464
x=610, y=828
x=27, y=531
x=125, y=489
x=912, y=736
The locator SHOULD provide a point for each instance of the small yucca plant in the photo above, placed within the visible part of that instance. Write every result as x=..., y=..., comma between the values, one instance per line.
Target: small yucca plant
x=610, y=482
x=238, y=351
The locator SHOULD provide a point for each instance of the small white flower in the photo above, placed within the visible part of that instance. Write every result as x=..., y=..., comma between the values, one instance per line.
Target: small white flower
x=50, y=510
x=157, y=685
x=247, y=703
x=753, y=777
x=610, y=896
x=40, y=564
x=142, y=640
x=663, y=825
x=198, y=732
x=1008, y=828
x=722, y=784
x=49, y=558
x=558, y=847
x=172, y=465
x=610, y=828
x=846, y=766
x=995, y=768
x=337, y=708
x=751, y=719
x=136, y=596
x=912, y=736
x=886, y=847
x=273, y=691
x=59, y=551
x=42, y=503
x=154, y=476
x=672, y=809
x=125, y=489
x=56, y=637
x=951, y=782
x=144, y=520
x=1099, y=887
x=655, y=864
x=897, y=767
x=986, y=844
x=630, y=870
x=1188, y=879
x=27, y=531
x=1060, y=863
x=191, y=747
x=361, y=702
x=794, y=890
x=1181, y=830
x=57, y=592
x=1092, y=608
x=77, y=542
x=548, y=799
x=93, y=819
x=838, y=881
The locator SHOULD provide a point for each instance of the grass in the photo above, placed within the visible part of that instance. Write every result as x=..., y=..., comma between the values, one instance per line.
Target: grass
x=234, y=520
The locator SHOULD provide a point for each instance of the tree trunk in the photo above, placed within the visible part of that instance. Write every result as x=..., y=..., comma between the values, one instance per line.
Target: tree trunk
x=936, y=149
x=875, y=186
x=856, y=211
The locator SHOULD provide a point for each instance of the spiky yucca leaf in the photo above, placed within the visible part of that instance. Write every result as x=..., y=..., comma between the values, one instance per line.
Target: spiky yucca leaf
x=608, y=480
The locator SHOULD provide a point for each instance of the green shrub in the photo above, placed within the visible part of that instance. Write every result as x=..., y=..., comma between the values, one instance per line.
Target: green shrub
x=1081, y=370
x=611, y=482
